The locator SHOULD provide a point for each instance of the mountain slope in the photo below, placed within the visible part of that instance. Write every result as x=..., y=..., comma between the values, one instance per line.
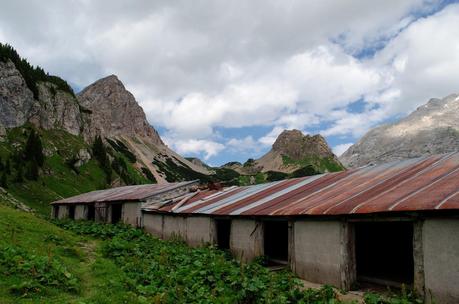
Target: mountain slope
x=293, y=150
x=431, y=129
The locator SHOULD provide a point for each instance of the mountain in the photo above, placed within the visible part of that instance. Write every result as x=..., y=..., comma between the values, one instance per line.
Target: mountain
x=114, y=114
x=49, y=145
x=432, y=128
x=293, y=154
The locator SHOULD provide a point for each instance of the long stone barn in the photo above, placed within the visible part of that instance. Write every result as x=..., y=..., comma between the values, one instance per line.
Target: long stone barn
x=388, y=225
x=122, y=204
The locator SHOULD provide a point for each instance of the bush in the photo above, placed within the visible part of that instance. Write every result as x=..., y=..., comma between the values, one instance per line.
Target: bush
x=36, y=271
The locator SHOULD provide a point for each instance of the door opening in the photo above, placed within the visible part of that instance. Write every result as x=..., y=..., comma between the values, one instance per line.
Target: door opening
x=56, y=212
x=223, y=227
x=71, y=212
x=276, y=241
x=384, y=253
x=91, y=212
x=116, y=213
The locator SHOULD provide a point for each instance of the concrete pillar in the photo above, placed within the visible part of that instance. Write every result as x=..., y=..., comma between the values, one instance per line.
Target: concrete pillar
x=440, y=242
x=323, y=252
x=246, y=240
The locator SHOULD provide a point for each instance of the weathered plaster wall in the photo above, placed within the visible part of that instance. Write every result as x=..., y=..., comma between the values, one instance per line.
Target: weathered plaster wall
x=441, y=260
x=153, y=223
x=246, y=241
x=322, y=253
x=131, y=214
x=174, y=227
x=80, y=212
x=199, y=230
x=63, y=212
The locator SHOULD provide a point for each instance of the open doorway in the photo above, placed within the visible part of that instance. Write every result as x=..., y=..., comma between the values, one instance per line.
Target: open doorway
x=91, y=212
x=276, y=241
x=71, y=212
x=55, y=212
x=116, y=213
x=384, y=253
x=223, y=227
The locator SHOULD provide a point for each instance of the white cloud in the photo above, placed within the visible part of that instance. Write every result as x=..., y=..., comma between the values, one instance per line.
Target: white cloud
x=340, y=149
x=209, y=148
x=203, y=65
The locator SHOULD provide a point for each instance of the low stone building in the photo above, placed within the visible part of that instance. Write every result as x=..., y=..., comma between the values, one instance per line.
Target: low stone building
x=392, y=224
x=122, y=204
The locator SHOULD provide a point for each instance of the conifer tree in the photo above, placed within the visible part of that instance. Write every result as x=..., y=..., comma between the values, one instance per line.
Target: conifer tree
x=100, y=153
x=8, y=167
x=4, y=181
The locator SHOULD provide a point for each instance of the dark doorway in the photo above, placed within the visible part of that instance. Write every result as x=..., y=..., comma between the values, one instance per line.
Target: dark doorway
x=56, y=212
x=384, y=253
x=71, y=212
x=276, y=241
x=116, y=213
x=223, y=233
x=91, y=212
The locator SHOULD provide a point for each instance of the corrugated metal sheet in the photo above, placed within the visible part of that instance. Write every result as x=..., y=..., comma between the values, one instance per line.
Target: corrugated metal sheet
x=127, y=193
x=428, y=183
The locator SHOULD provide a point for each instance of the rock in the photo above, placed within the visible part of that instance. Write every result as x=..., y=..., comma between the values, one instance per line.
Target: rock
x=115, y=112
x=293, y=150
x=431, y=129
x=57, y=109
x=16, y=100
x=82, y=158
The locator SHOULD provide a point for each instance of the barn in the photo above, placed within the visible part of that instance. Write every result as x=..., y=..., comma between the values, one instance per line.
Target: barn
x=390, y=225
x=121, y=204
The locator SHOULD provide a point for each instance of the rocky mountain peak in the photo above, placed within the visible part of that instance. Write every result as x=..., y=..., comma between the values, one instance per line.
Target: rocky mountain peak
x=114, y=111
x=432, y=128
x=296, y=145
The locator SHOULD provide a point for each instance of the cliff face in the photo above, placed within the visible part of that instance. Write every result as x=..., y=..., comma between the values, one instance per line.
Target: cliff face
x=115, y=112
x=431, y=129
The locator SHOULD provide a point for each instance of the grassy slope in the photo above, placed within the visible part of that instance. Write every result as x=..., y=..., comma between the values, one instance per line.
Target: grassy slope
x=57, y=179
x=99, y=278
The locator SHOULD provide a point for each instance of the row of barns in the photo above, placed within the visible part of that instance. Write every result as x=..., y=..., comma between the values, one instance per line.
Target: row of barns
x=388, y=225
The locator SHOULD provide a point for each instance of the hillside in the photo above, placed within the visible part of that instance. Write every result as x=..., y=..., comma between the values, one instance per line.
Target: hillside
x=432, y=128
x=67, y=126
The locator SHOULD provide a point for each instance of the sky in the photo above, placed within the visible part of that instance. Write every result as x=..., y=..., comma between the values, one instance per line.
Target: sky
x=221, y=79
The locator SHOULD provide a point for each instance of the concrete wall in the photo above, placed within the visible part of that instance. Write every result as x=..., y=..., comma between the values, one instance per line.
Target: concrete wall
x=246, y=241
x=153, y=223
x=322, y=253
x=441, y=259
x=195, y=230
x=63, y=212
x=174, y=227
x=81, y=212
x=200, y=230
x=131, y=214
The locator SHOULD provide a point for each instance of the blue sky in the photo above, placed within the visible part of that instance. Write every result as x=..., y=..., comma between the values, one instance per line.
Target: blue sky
x=221, y=79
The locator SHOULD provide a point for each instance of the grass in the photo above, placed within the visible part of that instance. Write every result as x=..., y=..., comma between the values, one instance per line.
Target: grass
x=98, y=279
x=320, y=164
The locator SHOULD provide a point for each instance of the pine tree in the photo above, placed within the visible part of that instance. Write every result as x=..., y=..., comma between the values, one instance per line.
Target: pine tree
x=33, y=150
x=19, y=178
x=100, y=153
x=2, y=166
x=8, y=167
x=32, y=171
x=4, y=181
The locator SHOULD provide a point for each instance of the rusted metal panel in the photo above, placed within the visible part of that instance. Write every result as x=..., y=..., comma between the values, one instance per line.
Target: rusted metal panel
x=127, y=193
x=423, y=184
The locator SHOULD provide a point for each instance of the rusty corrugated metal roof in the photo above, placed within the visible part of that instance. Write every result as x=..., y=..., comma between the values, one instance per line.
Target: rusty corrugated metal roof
x=421, y=184
x=126, y=193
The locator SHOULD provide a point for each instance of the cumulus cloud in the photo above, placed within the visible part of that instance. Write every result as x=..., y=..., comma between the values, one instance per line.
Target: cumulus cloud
x=200, y=66
x=193, y=146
